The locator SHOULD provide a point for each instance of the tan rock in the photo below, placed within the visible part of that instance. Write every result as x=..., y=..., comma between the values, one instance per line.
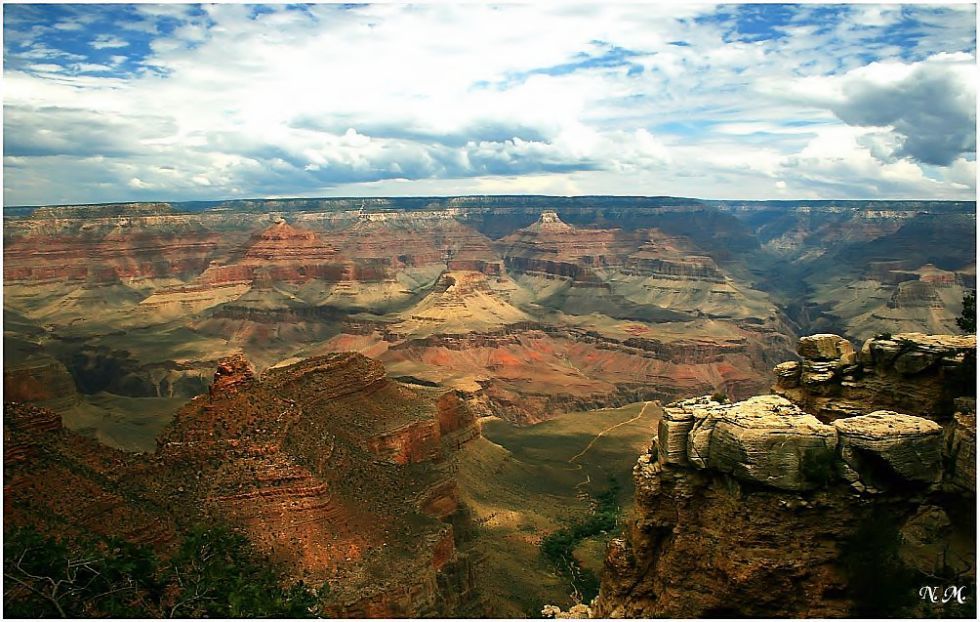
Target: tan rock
x=960, y=448
x=765, y=439
x=672, y=431
x=883, y=445
x=788, y=374
x=818, y=372
x=575, y=612
x=826, y=347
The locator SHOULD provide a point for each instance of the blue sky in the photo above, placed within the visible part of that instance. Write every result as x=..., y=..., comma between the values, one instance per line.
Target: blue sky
x=179, y=102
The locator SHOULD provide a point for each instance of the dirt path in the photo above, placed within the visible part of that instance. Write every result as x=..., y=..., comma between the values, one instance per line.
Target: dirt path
x=609, y=429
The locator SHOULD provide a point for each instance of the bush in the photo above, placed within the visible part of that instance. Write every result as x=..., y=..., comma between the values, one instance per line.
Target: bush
x=818, y=467
x=557, y=547
x=880, y=584
x=968, y=317
x=214, y=573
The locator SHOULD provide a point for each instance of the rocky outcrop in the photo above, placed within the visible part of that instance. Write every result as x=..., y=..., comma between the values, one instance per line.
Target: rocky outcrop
x=335, y=469
x=909, y=372
x=767, y=508
x=960, y=449
x=232, y=375
x=765, y=440
x=326, y=465
x=886, y=448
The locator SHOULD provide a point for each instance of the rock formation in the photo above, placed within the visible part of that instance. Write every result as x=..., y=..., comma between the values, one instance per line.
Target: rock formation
x=803, y=508
x=326, y=465
x=908, y=372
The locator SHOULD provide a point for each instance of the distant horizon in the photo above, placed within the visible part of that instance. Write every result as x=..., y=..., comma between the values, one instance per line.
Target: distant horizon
x=114, y=102
x=487, y=195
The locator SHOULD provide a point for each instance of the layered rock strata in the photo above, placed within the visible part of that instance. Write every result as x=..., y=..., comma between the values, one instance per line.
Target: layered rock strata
x=764, y=507
x=326, y=465
x=908, y=372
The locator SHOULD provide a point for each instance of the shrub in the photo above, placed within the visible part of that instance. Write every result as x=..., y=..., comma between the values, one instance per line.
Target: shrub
x=214, y=573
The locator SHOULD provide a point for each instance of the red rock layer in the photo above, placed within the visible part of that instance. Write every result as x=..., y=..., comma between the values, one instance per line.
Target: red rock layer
x=63, y=484
x=326, y=465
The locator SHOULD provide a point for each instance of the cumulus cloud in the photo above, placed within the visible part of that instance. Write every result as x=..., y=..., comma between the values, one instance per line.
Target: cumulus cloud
x=931, y=105
x=213, y=101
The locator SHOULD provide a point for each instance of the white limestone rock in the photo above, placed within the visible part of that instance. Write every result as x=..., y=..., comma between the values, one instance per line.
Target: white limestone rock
x=883, y=445
x=764, y=439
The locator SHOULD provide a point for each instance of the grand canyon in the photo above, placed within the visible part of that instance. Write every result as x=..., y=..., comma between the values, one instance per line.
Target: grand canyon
x=489, y=310
x=407, y=399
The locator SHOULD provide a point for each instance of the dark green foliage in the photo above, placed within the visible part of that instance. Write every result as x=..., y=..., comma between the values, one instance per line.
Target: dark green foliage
x=879, y=582
x=221, y=576
x=45, y=578
x=557, y=547
x=214, y=573
x=968, y=317
x=719, y=397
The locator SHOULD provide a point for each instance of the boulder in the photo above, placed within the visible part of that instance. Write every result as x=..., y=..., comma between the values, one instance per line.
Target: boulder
x=885, y=448
x=827, y=347
x=765, y=439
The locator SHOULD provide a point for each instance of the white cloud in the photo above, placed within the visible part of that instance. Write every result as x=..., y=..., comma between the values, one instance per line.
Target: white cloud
x=931, y=104
x=593, y=98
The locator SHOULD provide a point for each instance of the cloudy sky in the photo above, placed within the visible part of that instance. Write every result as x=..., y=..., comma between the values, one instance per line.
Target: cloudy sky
x=179, y=102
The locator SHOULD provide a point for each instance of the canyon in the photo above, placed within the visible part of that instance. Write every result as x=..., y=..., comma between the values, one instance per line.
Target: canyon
x=316, y=374
x=327, y=467
x=528, y=305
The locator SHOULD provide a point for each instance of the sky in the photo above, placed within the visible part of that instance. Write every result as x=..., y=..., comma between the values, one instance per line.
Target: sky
x=195, y=102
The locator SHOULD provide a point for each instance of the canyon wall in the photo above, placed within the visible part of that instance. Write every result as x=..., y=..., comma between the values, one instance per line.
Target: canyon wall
x=328, y=467
x=627, y=300
x=827, y=504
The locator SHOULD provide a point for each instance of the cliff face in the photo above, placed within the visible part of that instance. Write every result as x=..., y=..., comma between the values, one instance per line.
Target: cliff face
x=326, y=465
x=634, y=292
x=771, y=508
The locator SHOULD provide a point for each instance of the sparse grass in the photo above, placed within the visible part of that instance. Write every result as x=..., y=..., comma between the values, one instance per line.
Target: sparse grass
x=521, y=488
x=128, y=423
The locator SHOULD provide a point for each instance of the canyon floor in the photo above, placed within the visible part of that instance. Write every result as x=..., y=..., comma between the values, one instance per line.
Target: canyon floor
x=523, y=483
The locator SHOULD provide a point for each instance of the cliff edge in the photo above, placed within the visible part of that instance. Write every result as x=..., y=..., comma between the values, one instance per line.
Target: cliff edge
x=851, y=491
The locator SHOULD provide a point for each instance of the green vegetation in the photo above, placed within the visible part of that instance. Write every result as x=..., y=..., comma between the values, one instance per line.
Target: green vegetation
x=214, y=573
x=558, y=546
x=521, y=484
x=968, y=317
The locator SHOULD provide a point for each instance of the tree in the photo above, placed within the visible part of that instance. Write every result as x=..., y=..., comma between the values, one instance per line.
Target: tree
x=968, y=318
x=44, y=577
x=214, y=573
